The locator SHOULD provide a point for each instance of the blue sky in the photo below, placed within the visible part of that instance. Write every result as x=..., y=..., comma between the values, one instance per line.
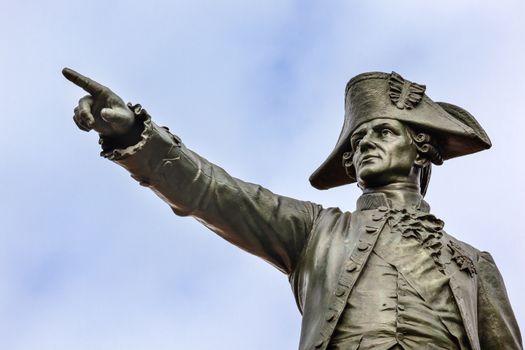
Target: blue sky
x=91, y=260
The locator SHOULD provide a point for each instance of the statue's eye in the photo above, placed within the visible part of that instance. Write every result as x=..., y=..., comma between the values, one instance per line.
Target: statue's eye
x=386, y=132
x=356, y=142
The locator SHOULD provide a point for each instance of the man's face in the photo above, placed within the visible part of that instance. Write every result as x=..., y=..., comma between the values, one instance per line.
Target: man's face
x=383, y=153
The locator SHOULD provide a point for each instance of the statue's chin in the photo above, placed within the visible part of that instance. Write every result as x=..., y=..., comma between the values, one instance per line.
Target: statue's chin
x=371, y=182
x=371, y=176
x=373, y=179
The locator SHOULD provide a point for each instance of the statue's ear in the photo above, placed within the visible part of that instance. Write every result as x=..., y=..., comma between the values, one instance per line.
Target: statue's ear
x=421, y=161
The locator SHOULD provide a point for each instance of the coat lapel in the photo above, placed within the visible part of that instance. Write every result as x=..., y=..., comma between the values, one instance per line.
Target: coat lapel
x=366, y=227
x=463, y=284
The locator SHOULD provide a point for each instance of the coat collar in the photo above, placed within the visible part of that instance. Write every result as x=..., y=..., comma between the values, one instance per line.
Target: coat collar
x=376, y=200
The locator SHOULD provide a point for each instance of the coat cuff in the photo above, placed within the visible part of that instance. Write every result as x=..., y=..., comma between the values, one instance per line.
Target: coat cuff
x=114, y=150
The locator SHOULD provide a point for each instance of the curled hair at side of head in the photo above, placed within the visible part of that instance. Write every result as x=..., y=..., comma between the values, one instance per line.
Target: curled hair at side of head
x=426, y=147
x=347, y=163
x=428, y=154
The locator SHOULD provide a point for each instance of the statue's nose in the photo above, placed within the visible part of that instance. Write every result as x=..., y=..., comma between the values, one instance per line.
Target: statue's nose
x=366, y=142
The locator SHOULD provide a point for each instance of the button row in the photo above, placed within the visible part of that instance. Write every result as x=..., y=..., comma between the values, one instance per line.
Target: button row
x=346, y=280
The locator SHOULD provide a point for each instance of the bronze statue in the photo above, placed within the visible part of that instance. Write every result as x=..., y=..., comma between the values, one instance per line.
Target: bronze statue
x=384, y=277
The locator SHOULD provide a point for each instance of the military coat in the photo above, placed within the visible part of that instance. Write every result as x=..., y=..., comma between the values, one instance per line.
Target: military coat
x=321, y=250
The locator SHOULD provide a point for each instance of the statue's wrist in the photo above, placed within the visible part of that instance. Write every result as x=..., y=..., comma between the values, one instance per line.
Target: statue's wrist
x=132, y=136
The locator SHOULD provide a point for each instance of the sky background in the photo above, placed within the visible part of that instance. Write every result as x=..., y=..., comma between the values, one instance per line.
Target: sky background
x=91, y=260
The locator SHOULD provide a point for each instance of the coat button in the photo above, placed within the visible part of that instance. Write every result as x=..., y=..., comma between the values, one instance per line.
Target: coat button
x=330, y=316
x=176, y=139
x=362, y=246
x=382, y=208
x=370, y=229
x=319, y=344
x=377, y=217
x=351, y=267
x=339, y=292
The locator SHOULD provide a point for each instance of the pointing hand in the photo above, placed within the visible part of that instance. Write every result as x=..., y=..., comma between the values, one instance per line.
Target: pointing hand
x=102, y=110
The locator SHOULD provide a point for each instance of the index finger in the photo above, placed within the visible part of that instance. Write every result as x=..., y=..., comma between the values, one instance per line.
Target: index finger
x=84, y=82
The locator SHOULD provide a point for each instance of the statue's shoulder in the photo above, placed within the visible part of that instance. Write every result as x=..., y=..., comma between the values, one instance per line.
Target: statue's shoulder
x=334, y=213
x=332, y=218
x=482, y=260
x=471, y=250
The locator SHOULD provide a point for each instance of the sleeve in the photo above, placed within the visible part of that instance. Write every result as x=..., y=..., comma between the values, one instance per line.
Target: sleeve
x=498, y=328
x=267, y=225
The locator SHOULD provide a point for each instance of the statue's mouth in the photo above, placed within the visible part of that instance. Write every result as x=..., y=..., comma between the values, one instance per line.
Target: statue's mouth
x=368, y=158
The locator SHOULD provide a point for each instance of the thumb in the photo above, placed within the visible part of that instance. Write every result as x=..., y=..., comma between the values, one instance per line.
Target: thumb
x=111, y=115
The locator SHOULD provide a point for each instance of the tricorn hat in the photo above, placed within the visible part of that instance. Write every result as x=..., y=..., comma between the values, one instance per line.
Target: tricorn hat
x=381, y=95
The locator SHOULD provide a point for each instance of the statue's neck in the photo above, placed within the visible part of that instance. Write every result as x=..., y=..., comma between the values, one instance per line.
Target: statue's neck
x=402, y=194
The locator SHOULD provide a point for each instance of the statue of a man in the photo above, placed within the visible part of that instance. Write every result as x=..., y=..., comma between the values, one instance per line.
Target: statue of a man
x=384, y=277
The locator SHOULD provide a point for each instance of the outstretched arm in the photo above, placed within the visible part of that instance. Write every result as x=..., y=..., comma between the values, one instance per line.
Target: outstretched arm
x=273, y=227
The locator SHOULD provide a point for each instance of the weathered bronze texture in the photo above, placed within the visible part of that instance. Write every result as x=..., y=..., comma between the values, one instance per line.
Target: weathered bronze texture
x=386, y=276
